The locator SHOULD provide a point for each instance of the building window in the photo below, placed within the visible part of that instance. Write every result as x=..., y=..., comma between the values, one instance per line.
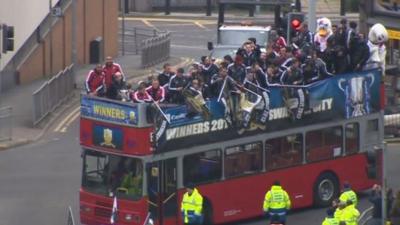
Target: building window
x=324, y=144
x=243, y=159
x=202, y=167
x=284, y=151
x=352, y=138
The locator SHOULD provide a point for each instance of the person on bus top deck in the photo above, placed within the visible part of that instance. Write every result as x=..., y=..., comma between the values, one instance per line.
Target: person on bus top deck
x=256, y=47
x=237, y=70
x=293, y=75
x=165, y=75
x=177, y=83
x=192, y=206
x=95, y=83
x=278, y=41
x=248, y=53
x=304, y=36
x=141, y=95
x=116, y=86
x=314, y=69
x=330, y=219
x=208, y=69
x=156, y=92
x=348, y=194
x=110, y=68
x=277, y=202
x=217, y=83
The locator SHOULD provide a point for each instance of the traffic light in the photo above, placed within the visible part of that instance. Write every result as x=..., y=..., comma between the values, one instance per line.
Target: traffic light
x=8, y=38
x=295, y=20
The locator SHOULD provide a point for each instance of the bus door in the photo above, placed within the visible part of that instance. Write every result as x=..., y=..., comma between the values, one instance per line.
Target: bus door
x=162, y=191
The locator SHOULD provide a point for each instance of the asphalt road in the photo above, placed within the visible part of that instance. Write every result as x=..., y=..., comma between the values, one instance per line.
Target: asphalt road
x=39, y=181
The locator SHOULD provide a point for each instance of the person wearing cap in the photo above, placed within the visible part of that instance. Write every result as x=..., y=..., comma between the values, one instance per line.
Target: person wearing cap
x=330, y=219
x=350, y=214
x=277, y=202
x=348, y=194
x=192, y=206
x=110, y=68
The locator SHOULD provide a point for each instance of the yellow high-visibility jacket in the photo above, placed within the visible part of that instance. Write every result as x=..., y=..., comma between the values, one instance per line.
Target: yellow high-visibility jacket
x=330, y=221
x=350, y=215
x=349, y=195
x=192, y=206
x=276, y=198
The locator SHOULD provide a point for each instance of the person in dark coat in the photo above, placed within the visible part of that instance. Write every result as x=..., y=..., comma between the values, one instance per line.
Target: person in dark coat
x=208, y=70
x=117, y=84
x=361, y=54
x=165, y=75
x=237, y=70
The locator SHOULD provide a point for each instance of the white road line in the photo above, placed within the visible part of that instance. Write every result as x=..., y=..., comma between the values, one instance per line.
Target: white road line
x=169, y=20
x=72, y=119
x=188, y=46
x=148, y=23
x=200, y=25
x=61, y=124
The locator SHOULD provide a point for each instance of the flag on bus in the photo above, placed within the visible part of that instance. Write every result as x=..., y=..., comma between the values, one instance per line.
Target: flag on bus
x=247, y=103
x=114, y=213
x=196, y=102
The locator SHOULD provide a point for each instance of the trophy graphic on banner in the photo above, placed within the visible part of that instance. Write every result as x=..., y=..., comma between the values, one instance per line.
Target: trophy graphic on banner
x=357, y=94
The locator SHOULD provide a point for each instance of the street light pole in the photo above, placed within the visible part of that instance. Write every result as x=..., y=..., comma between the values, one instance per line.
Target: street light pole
x=311, y=15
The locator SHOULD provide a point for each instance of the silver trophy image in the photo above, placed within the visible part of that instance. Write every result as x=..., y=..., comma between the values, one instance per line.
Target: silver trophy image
x=356, y=90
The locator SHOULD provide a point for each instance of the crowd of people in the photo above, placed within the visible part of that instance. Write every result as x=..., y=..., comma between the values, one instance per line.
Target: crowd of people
x=304, y=61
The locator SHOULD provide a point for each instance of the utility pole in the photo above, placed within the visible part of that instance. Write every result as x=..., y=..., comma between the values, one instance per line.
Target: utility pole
x=312, y=22
x=209, y=8
x=167, y=7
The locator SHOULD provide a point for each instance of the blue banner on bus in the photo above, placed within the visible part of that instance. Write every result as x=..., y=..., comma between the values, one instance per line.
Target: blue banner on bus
x=280, y=107
x=111, y=111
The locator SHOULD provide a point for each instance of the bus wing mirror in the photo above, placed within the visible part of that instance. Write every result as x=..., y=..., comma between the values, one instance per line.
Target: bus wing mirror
x=210, y=46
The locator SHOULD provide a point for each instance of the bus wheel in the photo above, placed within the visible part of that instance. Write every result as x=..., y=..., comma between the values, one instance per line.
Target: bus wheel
x=207, y=212
x=326, y=189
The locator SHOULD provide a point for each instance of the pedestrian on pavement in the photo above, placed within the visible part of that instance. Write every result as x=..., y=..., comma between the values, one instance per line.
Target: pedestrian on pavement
x=110, y=68
x=330, y=219
x=348, y=194
x=95, y=81
x=277, y=202
x=192, y=206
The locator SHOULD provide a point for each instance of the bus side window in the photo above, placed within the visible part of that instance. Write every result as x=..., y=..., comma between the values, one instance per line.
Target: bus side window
x=372, y=132
x=352, y=138
x=202, y=167
x=243, y=159
x=324, y=144
x=284, y=151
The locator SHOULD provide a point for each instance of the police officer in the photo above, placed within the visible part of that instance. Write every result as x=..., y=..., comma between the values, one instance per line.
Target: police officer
x=330, y=219
x=192, y=206
x=350, y=214
x=348, y=194
x=277, y=202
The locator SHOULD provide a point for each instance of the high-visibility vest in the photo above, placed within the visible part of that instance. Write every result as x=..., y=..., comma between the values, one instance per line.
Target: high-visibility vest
x=349, y=195
x=338, y=213
x=192, y=206
x=276, y=198
x=330, y=221
x=350, y=215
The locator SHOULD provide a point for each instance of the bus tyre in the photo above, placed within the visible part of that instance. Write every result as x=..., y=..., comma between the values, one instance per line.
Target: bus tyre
x=326, y=189
x=207, y=212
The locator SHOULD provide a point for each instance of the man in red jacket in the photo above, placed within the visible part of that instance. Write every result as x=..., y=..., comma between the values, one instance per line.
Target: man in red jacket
x=141, y=95
x=110, y=68
x=156, y=92
x=95, y=82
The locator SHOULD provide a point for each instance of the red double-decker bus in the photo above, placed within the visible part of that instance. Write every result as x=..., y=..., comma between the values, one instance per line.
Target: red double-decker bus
x=143, y=159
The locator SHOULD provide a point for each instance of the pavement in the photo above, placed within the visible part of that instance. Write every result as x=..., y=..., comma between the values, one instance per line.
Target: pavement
x=20, y=99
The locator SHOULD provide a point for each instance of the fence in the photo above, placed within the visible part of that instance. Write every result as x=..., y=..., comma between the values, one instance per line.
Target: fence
x=5, y=123
x=51, y=94
x=156, y=49
x=130, y=39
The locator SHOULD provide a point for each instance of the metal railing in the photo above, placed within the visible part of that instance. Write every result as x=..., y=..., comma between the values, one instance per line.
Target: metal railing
x=70, y=218
x=6, y=123
x=365, y=216
x=131, y=38
x=51, y=94
x=156, y=49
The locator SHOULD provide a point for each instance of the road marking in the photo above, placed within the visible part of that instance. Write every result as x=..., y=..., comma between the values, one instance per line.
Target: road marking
x=200, y=25
x=148, y=23
x=64, y=121
x=72, y=119
x=206, y=22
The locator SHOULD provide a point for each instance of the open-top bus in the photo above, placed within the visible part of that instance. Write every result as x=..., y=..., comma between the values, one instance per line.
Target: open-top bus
x=335, y=136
